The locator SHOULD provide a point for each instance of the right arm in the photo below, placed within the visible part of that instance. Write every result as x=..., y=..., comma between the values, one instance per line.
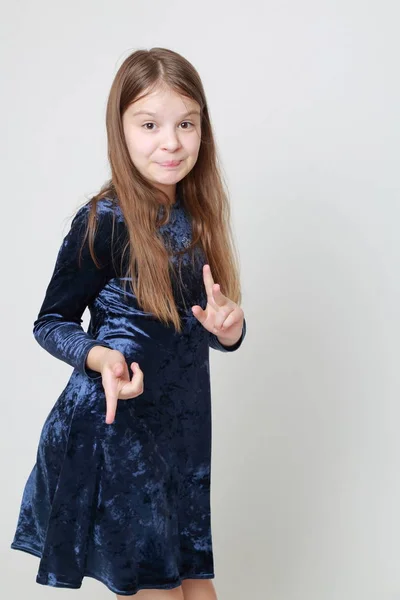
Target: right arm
x=71, y=288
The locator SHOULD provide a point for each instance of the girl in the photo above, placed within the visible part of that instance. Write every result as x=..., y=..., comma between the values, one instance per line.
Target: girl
x=120, y=490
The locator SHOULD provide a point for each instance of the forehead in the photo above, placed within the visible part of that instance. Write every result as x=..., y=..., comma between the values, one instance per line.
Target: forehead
x=165, y=102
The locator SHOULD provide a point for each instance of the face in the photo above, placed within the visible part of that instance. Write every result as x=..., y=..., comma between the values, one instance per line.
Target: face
x=161, y=128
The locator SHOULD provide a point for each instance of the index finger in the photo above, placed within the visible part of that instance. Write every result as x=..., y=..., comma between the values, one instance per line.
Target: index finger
x=112, y=401
x=208, y=280
x=111, y=393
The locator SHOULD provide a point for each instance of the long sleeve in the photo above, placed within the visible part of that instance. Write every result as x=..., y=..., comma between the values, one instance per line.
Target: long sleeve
x=72, y=288
x=216, y=344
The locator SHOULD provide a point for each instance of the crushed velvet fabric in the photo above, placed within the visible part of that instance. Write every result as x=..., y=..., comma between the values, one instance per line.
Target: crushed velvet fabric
x=127, y=503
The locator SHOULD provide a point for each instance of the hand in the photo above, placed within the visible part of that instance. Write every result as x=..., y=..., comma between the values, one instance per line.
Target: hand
x=221, y=316
x=116, y=382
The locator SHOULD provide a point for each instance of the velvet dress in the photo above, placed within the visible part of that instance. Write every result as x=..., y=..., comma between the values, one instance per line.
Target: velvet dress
x=126, y=503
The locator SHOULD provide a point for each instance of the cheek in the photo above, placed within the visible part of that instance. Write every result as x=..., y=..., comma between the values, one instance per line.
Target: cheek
x=193, y=148
x=140, y=146
x=194, y=143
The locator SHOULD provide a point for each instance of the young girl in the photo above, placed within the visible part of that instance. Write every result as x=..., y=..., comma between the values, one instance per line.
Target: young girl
x=120, y=490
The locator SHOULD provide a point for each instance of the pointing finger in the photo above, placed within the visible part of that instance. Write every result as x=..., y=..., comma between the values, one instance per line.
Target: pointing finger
x=208, y=281
x=111, y=391
x=112, y=401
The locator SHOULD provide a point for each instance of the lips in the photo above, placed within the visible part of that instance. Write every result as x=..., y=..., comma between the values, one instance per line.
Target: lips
x=171, y=163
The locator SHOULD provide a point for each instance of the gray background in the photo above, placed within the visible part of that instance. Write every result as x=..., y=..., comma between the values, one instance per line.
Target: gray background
x=304, y=98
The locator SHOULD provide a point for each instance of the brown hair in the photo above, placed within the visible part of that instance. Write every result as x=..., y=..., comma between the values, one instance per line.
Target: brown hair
x=204, y=193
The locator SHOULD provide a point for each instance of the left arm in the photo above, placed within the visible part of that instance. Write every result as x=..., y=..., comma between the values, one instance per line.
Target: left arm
x=217, y=342
x=221, y=315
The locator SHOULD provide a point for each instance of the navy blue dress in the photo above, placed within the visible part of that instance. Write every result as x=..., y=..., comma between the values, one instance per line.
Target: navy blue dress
x=126, y=503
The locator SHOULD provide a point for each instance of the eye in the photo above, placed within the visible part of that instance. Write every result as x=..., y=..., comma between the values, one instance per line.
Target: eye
x=152, y=129
x=188, y=123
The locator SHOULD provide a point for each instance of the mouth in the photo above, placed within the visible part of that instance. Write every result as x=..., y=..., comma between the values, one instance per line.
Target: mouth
x=170, y=163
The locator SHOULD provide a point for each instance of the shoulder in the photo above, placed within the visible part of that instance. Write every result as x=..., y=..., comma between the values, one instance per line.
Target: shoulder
x=108, y=222
x=106, y=211
x=108, y=235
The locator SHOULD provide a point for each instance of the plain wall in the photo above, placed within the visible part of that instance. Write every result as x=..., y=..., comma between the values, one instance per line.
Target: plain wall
x=304, y=100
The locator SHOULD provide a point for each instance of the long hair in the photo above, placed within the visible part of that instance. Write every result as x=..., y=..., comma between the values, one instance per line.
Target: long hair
x=203, y=189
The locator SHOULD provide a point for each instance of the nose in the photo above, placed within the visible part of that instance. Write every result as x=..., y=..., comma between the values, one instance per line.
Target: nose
x=171, y=140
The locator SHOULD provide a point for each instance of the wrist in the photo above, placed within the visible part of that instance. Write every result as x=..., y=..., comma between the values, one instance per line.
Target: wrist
x=229, y=342
x=97, y=356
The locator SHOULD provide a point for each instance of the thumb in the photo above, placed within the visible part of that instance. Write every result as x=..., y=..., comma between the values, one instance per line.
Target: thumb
x=134, y=368
x=199, y=313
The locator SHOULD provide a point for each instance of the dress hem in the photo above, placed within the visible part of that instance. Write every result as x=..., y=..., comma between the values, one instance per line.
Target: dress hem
x=60, y=584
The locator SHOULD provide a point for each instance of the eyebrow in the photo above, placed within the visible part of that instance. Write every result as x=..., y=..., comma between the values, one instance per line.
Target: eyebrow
x=153, y=114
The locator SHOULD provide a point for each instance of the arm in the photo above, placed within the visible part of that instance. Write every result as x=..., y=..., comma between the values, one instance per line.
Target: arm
x=71, y=289
x=216, y=344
